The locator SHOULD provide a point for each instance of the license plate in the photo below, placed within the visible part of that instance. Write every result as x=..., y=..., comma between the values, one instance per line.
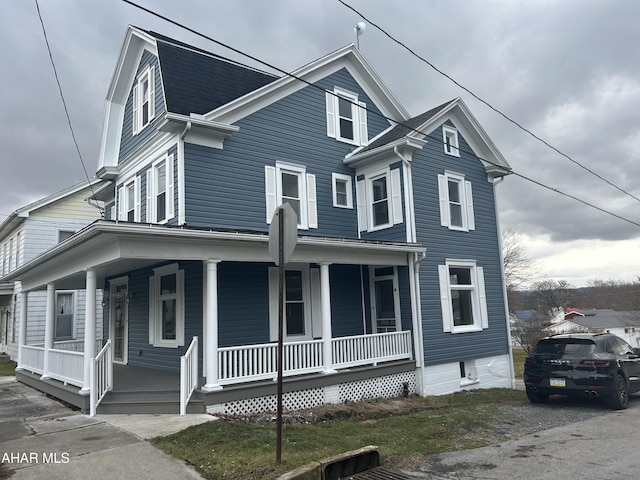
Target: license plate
x=556, y=382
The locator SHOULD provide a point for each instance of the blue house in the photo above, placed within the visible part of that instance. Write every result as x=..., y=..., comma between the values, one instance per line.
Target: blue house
x=395, y=285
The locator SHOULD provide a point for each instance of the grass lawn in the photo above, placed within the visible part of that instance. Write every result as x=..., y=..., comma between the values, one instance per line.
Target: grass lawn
x=403, y=428
x=7, y=369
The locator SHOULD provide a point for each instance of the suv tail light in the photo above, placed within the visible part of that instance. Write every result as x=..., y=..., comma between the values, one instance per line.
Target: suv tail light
x=594, y=363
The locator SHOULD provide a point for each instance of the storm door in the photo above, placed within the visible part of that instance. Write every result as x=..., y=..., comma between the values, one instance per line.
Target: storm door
x=119, y=324
x=385, y=302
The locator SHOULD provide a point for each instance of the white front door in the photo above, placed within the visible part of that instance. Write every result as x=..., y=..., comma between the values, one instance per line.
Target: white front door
x=119, y=326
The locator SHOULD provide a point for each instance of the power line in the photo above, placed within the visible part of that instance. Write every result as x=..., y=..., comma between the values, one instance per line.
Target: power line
x=506, y=117
x=289, y=74
x=64, y=103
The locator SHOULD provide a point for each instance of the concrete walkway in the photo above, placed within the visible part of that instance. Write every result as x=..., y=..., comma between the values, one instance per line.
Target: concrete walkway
x=42, y=439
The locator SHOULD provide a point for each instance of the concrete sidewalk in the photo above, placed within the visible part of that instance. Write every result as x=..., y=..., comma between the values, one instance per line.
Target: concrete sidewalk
x=42, y=439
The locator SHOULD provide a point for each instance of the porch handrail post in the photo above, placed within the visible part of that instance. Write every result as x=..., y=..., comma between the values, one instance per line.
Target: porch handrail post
x=325, y=299
x=49, y=325
x=22, y=339
x=211, y=323
x=89, y=330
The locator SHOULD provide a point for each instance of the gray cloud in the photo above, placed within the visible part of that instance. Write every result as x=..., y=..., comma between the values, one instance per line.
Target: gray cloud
x=565, y=70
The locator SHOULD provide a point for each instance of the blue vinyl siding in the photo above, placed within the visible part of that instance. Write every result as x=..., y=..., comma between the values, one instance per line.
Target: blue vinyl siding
x=346, y=300
x=480, y=244
x=291, y=130
x=128, y=141
x=140, y=352
x=243, y=303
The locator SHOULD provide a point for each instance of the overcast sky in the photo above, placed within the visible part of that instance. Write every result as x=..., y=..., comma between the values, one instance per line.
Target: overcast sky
x=567, y=70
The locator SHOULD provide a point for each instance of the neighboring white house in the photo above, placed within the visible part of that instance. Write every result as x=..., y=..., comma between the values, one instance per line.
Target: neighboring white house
x=24, y=235
x=626, y=325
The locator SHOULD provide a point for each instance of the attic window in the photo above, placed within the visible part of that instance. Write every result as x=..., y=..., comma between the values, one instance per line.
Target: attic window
x=144, y=99
x=450, y=140
x=346, y=117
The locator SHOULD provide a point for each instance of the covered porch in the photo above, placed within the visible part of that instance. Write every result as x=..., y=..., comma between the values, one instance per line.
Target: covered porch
x=108, y=250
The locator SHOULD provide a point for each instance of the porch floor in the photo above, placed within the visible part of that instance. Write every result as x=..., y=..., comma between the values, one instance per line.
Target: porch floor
x=127, y=378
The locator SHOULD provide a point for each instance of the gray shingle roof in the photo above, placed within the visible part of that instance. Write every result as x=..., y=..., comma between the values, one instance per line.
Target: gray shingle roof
x=607, y=319
x=399, y=131
x=196, y=81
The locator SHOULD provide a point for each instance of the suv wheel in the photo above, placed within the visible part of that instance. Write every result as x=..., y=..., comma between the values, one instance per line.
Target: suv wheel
x=619, y=398
x=535, y=397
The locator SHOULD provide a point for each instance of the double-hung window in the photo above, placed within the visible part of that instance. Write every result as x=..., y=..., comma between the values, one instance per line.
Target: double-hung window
x=379, y=200
x=129, y=201
x=302, y=317
x=160, y=191
x=463, y=299
x=450, y=141
x=342, y=190
x=289, y=183
x=143, y=100
x=64, y=316
x=456, y=202
x=166, y=307
x=346, y=117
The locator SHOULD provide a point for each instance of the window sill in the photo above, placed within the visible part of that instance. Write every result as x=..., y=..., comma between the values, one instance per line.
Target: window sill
x=465, y=382
x=466, y=329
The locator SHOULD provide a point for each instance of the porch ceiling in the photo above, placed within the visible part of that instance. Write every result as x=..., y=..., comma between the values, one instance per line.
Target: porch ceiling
x=111, y=249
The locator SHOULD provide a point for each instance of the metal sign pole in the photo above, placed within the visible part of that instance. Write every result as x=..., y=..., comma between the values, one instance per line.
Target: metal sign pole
x=280, y=332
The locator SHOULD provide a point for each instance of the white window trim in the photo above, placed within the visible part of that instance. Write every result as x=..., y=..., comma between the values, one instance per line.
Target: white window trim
x=312, y=317
x=339, y=177
x=478, y=297
x=466, y=200
x=124, y=200
x=169, y=161
x=307, y=183
x=155, y=317
x=451, y=147
x=149, y=75
x=396, y=296
x=74, y=301
x=359, y=116
x=364, y=195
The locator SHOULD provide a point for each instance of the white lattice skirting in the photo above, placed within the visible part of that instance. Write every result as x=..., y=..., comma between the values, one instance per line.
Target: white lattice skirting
x=387, y=386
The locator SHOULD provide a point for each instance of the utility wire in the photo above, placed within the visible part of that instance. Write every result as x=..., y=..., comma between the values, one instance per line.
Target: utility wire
x=289, y=74
x=506, y=117
x=64, y=103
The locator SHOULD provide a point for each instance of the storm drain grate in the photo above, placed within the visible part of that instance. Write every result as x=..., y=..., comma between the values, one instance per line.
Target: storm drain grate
x=378, y=473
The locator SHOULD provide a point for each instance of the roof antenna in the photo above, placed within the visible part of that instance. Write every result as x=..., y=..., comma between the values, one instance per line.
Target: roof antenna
x=359, y=30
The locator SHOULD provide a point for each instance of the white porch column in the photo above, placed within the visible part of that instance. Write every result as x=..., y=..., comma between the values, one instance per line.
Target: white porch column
x=89, y=330
x=326, y=318
x=49, y=326
x=211, y=328
x=22, y=339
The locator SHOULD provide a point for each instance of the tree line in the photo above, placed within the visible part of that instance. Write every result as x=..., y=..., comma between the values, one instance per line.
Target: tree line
x=548, y=298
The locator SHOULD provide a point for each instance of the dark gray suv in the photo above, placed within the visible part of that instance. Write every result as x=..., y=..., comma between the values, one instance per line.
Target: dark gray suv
x=596, y=365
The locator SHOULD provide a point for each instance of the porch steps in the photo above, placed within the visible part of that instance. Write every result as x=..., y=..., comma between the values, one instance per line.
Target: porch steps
x=165, y=401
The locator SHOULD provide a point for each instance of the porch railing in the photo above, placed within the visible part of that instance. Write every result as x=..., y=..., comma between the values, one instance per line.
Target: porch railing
x=259, y=362
x=101, y=376
x=188, y=374
x=66, y=366
x=370, y=349
x=33, y=358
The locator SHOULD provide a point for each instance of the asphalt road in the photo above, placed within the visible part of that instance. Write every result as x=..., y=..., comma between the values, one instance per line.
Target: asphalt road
x=604, y=447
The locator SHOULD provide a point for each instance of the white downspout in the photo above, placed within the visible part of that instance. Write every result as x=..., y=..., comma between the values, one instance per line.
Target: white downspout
x=495, y=182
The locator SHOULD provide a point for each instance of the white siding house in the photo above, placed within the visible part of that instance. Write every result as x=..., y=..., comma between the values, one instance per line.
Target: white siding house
x=24, y=235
